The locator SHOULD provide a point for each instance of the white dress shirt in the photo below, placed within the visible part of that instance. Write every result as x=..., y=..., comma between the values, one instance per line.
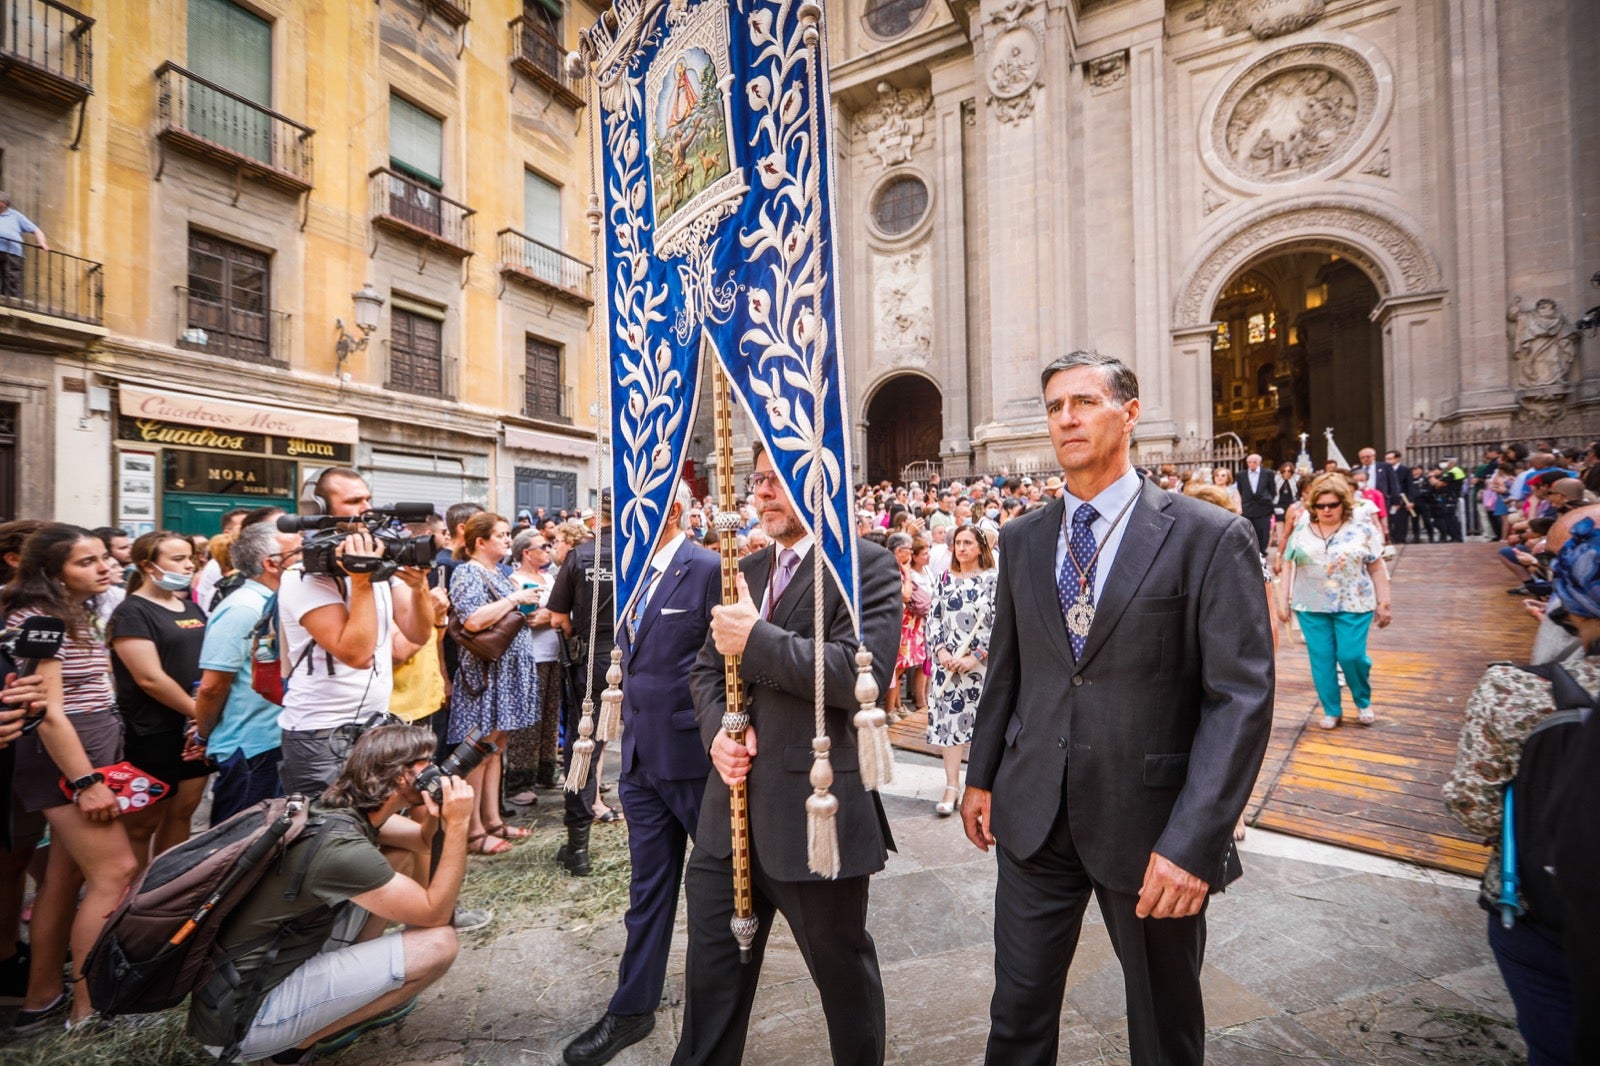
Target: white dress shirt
x=1108, y=503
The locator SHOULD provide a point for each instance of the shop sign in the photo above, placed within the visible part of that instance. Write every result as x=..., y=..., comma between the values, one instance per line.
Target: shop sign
x=227, y=416
x=227, y=475
x=317, y=451
x=152, y=431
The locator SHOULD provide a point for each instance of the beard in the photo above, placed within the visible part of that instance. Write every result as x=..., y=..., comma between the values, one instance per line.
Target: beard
x=781, y=524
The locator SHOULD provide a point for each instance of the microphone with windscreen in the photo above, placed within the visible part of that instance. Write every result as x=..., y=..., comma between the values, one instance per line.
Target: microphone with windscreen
x=24, y=645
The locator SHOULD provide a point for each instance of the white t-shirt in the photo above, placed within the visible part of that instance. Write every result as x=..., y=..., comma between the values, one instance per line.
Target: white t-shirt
x=314, y=698
x=206, y=586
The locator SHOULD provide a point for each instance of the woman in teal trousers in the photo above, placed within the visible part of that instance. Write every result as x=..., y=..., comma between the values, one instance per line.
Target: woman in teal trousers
x=1337, y=585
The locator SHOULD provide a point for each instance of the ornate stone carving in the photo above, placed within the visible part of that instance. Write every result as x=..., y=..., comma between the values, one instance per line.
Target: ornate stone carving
x=893, y=124
x=1543, y=353
x=1382, y=243
x=969, y=113
x=1263, y=18
x=1014, y=58
x=1378, y=165
x=1210, y=201
x=902, y=300
x=1107, y=72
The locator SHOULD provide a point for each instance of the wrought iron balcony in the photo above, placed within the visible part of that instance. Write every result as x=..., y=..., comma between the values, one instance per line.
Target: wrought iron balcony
x=204, y=119
x=233, y=330
x=456, y=12
x=539, y=266
x=56, y=285
x=416, y=210
x=539, y=56
x=547, y=404
x=45, y=51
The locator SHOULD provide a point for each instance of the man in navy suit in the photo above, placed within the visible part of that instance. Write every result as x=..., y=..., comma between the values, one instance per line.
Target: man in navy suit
x=664, y=771
x=1380, y=475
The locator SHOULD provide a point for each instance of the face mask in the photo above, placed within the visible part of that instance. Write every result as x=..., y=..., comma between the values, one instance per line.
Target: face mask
x=173, y=582
x=991, y=514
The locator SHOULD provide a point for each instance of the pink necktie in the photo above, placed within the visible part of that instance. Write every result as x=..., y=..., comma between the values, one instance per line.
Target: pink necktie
x=788, y=559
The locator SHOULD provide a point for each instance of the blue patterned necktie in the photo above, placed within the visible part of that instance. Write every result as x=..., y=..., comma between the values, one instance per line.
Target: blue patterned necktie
x=1080, y=548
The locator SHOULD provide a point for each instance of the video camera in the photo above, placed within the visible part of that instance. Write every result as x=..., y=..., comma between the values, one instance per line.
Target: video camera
x=326, y=532
x=23, y=645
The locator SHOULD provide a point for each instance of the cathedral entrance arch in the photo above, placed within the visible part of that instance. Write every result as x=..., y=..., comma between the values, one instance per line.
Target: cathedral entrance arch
x=1349, y=299
x=905, y=420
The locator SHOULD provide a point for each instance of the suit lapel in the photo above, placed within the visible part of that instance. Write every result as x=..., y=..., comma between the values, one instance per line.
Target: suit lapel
x=798, y=593
x=1041, y=559
x=1148, y=526
x=756, y=568
x=663, y=590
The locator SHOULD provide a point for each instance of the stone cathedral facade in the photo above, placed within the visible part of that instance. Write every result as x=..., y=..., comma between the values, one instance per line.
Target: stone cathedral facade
x=1373, y=216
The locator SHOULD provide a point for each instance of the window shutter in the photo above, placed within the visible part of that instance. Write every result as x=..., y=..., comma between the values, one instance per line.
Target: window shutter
x=231, y=47
x=541, y=209
x=416, y=141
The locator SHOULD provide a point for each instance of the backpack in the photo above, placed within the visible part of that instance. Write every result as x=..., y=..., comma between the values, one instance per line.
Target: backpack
x=156, y=947
x=1530, y=827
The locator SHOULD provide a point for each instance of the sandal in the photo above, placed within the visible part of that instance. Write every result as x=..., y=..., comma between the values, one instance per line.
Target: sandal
x=1365, y=716
x=1329, y=721
x=947, y=806
x=609, y=817
x=508, y=832
x=480, y=844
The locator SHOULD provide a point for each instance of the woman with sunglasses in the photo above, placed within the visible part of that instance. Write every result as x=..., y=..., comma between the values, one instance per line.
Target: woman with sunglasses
x=1337, y=585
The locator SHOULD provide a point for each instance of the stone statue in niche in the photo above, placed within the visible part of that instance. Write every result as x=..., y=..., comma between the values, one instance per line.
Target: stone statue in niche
x=1292, y=123
x=893, y=125
x=1543, y=344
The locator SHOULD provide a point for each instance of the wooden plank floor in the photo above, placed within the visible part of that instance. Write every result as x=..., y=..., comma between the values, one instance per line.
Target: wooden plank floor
x=1378, y=789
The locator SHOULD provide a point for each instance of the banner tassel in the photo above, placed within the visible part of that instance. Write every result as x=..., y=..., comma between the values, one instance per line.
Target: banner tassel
x=822, y=830
x=582, y=750
x=872, y=728
x=610, y=727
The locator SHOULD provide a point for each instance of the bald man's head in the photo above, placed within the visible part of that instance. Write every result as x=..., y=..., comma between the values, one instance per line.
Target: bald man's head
x=1562, y=530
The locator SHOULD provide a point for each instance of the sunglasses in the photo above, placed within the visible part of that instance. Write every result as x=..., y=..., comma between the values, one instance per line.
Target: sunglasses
x=1327, y=506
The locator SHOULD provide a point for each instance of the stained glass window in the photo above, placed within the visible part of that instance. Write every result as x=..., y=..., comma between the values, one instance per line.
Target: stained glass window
x=1224, y=336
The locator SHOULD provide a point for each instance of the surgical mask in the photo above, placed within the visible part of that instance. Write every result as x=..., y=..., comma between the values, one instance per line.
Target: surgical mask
x=992, y=513
x=173, y=582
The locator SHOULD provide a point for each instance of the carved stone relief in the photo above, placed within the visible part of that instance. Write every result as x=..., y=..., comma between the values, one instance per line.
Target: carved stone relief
x=1544, y=349
x=1378, y=165
x=902, y=301
x=893, y=124
x=1263, y=18
x=1014, y=57
x=1107, y=72
x=1295, y=113
x=1210, y=201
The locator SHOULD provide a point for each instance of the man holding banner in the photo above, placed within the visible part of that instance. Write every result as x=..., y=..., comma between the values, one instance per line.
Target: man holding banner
x=771, y=629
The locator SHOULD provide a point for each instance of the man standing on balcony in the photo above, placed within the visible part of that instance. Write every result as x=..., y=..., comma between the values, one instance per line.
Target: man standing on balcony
x=14, y=225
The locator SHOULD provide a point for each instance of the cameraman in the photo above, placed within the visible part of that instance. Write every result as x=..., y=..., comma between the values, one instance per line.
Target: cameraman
x=338, y=641
x=316, y=994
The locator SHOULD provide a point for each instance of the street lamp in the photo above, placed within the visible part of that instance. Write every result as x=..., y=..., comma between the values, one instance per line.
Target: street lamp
x=369, y=302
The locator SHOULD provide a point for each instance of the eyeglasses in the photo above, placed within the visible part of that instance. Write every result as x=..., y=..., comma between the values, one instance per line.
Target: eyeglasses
x=755, y=482
x=1327, y=506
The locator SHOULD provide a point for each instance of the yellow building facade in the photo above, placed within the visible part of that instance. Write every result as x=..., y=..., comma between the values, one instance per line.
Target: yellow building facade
x=283, y=236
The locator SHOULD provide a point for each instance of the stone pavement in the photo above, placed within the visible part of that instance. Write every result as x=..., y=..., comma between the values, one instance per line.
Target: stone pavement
x=1319, y=955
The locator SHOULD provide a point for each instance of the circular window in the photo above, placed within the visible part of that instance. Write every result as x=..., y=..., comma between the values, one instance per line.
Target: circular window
x=900, y=205
x=891, y=18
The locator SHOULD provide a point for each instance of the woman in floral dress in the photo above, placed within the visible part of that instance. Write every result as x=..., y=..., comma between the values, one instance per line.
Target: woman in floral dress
x=1337, y=585
x=958, y=630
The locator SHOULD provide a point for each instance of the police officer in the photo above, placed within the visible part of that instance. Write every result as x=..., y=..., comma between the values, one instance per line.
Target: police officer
x=573, y=603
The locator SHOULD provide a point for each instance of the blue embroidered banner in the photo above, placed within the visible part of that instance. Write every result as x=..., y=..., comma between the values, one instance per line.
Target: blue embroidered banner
x=718, y=226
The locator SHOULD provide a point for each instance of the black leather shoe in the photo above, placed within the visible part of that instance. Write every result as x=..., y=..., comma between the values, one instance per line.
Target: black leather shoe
x=602, y=1040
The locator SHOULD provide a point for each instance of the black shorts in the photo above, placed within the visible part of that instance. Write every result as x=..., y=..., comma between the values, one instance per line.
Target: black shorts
x=161, y=756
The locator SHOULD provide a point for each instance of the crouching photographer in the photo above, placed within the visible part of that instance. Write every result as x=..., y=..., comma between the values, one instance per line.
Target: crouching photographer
x=276, y=957
x=339, y=613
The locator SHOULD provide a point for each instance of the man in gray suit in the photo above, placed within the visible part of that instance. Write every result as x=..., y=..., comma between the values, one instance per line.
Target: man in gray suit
x=771, y=629
x=1123, y=720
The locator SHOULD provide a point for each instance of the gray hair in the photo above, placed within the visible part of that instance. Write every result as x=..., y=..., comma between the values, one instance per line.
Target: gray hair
x=5, y=197
x=522, y=542
x=1120, y=380
x=897, y=541
x=684, y=499
x=251, y=548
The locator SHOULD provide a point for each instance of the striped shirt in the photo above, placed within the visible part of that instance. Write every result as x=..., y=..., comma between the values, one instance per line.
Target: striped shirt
x=85, y=668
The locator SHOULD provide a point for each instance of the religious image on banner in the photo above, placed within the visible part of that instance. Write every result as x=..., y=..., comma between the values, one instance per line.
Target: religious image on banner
x=718, y=223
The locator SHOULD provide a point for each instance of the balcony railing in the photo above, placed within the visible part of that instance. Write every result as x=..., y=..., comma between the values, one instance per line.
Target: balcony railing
x=206, y=324
x=546, y=404
x=456, y=12
x=55, y=284
x=203, y=118
x=417, y=210
x=438, y=378
x=45, y=50
x=540, y=266
x=538, y=55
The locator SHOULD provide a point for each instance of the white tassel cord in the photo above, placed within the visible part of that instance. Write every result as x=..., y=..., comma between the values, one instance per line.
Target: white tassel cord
x=610, y=727
x=872, y=728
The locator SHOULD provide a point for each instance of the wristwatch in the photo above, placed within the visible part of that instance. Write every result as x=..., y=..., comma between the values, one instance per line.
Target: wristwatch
x=86, y=781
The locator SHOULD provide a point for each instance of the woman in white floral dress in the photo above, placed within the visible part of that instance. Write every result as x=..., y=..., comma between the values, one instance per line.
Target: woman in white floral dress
x=958, y=632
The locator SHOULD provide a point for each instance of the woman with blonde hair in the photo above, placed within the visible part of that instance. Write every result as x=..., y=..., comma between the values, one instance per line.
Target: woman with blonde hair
x=1337, y=585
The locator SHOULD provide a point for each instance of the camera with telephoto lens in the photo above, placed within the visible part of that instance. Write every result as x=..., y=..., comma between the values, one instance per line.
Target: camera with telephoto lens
x=324, y=534
x=459, y=763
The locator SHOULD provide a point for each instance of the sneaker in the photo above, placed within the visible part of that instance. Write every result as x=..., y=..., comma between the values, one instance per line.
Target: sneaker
x=31, y=1021
x=14, y=978
x=341, y=1040
x=467, y=919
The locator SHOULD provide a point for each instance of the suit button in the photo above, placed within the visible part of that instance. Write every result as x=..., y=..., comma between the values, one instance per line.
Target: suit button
x=1061, y=742
x=1077, y=679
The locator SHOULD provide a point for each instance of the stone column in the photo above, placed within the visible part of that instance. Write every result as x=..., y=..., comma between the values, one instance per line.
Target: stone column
x=1152, y=359
x=1189, y=363
x=1414, y=332
x=950, y=356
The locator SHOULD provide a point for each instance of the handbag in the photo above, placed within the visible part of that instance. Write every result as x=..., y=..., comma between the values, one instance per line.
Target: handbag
x=488, y=644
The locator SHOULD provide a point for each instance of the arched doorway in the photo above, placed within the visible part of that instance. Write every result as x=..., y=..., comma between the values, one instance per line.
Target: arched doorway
x=905, y=421
x=1296, y=351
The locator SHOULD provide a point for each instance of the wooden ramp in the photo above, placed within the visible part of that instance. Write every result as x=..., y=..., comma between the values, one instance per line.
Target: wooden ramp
x=1378, y=789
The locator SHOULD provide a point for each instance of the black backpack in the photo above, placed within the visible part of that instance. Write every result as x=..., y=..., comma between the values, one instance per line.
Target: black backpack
x=156, y=947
